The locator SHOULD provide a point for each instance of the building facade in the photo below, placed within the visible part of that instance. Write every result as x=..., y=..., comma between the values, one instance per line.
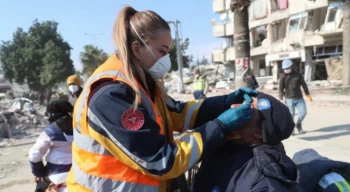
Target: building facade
x=309, y=32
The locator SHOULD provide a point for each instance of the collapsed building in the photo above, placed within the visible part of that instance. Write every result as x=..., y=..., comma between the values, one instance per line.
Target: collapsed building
x=309, y=32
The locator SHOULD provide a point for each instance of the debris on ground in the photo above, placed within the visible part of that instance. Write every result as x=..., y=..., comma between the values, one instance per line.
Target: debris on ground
x=19, y=115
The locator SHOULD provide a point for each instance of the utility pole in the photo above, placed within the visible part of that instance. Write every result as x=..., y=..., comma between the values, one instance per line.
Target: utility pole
x=242, y=43
x=179, y=56
x=93, y=36
x=346, y=44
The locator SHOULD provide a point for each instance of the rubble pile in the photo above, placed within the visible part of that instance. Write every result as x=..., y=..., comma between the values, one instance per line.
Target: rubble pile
x=218, y=77
x=19, y=115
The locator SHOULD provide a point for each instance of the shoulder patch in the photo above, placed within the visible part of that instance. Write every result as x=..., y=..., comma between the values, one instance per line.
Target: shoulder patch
x=264, y=104
x=132, y=119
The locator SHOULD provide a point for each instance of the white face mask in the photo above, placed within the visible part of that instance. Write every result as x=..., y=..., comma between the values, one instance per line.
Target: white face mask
x=162, y=66
x=73, y=88
x=287, y=70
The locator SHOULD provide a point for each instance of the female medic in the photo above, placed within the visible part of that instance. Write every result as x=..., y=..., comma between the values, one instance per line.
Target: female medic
x=124, y=121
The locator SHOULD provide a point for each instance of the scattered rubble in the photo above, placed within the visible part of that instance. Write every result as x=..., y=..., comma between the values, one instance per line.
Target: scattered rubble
x=19, y=115
x=218, y=77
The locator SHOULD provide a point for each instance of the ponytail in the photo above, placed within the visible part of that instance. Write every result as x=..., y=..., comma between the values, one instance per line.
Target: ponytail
x=121, y=34
x=147, y=24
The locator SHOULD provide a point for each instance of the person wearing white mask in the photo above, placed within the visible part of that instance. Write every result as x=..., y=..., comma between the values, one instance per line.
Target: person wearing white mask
x=124, y=120
x=74, y=87
x=289, y=87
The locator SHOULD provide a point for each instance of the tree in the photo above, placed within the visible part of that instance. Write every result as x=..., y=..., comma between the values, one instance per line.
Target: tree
x=91, y=58
x=186, y=59
x=39, y=57
x=204, y=61
x=242, y=45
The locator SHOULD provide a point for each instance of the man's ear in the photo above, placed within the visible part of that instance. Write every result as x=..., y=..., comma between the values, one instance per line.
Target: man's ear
x=258, y=134
x=135, y=47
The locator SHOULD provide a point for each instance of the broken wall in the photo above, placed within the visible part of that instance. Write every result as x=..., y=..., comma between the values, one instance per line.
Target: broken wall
x=334, y=68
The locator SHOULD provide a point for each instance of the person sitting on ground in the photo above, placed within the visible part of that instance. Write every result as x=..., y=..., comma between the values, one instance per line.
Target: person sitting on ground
x=56, y=141
x=253, y=159
x=200, y=85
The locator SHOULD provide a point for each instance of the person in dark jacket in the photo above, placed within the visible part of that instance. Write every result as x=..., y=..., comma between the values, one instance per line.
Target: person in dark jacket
x=289, y=88
x=254, y=158
x=320, y=174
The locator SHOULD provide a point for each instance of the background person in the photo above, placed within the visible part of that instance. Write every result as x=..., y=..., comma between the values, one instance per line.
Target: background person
x=289, y=87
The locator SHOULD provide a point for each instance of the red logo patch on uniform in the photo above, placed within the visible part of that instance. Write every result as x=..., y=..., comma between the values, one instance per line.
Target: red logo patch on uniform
x=133, y=119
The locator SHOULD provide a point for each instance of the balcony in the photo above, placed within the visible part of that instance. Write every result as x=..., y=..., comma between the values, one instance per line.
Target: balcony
x=298, y=6
x=222, y=56
x=220, y=6
x=223, y=30
x=261, y=50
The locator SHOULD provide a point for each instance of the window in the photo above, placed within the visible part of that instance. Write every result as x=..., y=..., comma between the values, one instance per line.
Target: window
x=279, y=5
x=332, y=12
x=298, y=22
x=259, y=35
x=329, y=50
x=340, y=48
x=262, y=67
x=279, y=30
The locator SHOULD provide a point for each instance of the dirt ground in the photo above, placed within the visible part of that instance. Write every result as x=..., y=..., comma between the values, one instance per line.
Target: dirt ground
x=15, y=172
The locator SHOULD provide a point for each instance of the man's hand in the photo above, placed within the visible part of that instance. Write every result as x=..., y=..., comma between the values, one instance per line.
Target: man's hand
x=236, y=118
x=309, y=97
x=237, y=97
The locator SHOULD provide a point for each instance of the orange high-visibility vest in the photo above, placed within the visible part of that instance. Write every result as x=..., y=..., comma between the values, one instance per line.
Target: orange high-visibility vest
x=94, y=168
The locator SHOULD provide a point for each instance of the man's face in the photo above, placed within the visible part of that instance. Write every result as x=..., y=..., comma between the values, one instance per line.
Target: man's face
x=251, y=133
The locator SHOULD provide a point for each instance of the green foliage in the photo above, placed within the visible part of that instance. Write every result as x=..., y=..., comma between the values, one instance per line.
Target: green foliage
x=39, y=57
x=91, y=58
x=186, y=59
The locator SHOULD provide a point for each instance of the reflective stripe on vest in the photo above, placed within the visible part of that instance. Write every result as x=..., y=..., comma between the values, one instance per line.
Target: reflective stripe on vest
x=199, y=84
x=105, y=172
x=334, y=179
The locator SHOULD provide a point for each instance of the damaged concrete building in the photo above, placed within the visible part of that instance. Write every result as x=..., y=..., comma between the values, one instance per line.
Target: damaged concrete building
x=309, y=32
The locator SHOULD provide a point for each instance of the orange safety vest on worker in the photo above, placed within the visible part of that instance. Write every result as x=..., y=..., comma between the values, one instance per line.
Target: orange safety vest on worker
x=102, y=161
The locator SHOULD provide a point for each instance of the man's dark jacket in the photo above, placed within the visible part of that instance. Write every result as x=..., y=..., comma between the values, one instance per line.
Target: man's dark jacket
x=258, y=168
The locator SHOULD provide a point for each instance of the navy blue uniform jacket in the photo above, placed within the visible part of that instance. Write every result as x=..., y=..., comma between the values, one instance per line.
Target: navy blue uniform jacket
x=258, y=168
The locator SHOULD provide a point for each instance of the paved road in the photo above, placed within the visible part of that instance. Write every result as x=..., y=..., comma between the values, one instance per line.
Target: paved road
x=328, y=131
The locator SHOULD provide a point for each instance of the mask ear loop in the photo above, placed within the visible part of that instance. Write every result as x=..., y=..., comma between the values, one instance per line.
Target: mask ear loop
x=132, y=26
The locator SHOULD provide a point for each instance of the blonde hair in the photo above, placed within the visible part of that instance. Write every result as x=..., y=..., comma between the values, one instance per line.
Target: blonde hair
x=146, y=24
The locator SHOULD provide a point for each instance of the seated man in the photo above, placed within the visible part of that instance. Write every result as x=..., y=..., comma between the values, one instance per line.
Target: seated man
x=254, y=159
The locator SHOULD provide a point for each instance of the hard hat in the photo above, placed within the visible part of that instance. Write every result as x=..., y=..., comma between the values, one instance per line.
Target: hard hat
x=286, y=63
x=73, y=79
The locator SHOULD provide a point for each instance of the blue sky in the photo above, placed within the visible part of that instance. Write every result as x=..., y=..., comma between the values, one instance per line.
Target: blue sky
x=76, y=17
